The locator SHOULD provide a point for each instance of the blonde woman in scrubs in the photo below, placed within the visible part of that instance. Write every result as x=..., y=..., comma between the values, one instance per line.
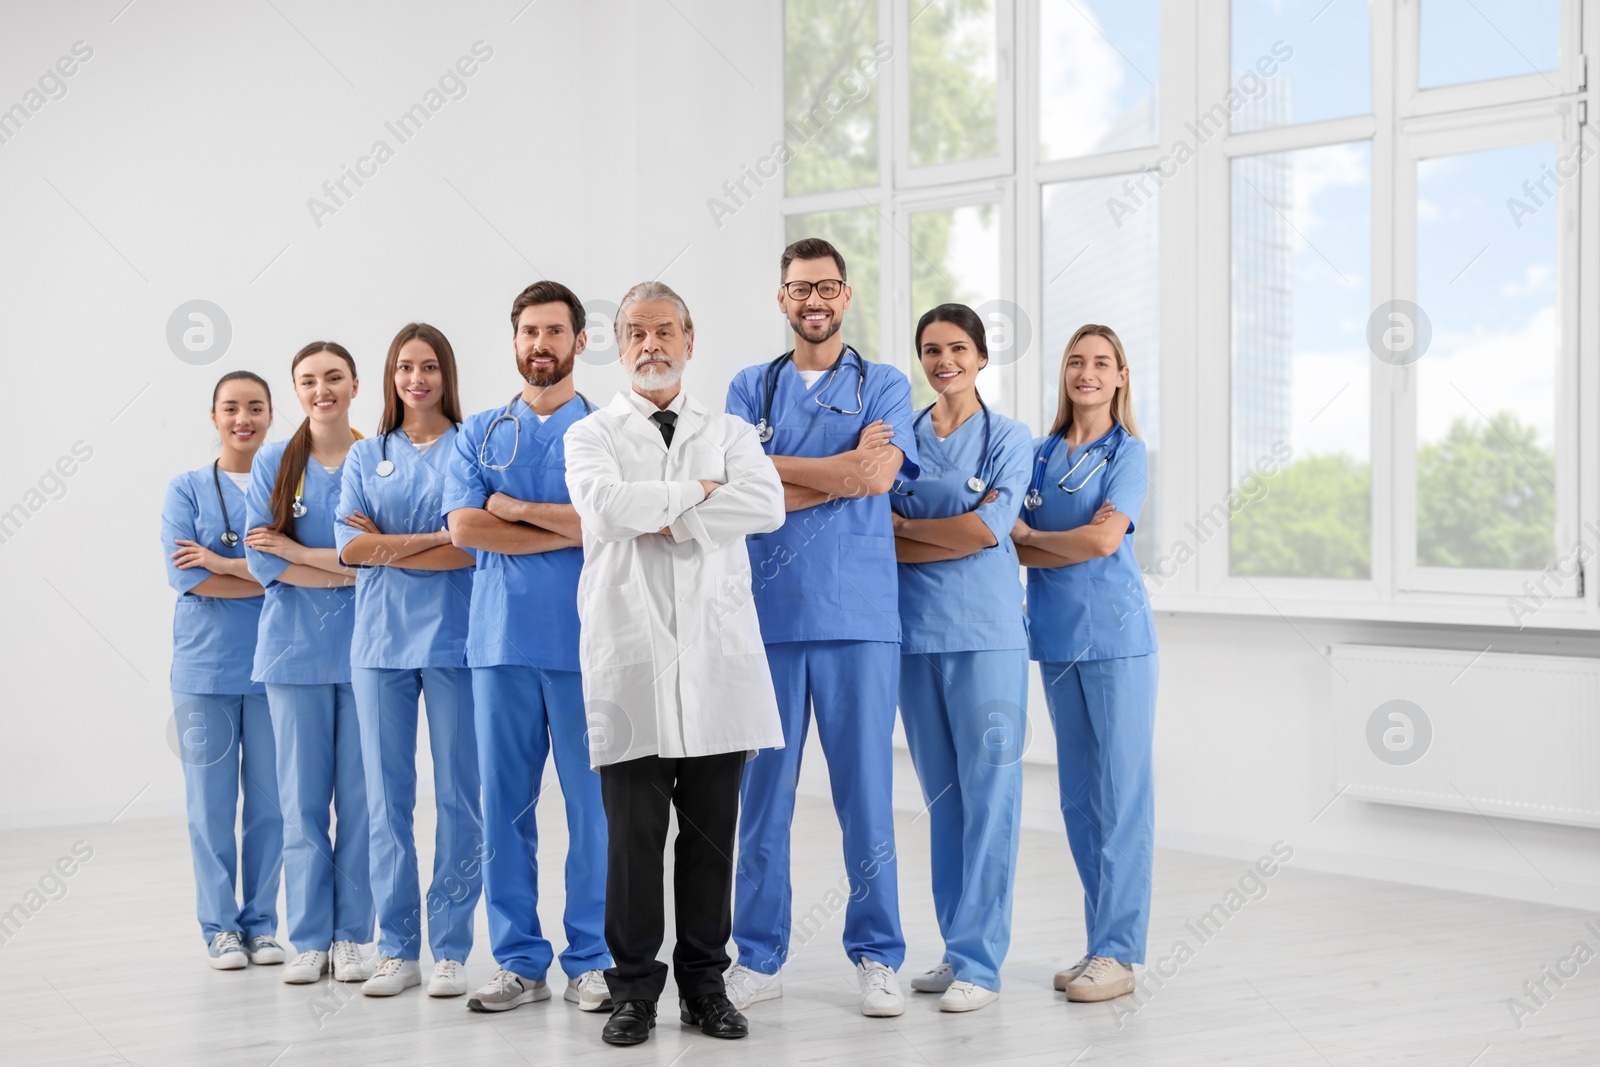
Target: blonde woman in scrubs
x=1091, y=631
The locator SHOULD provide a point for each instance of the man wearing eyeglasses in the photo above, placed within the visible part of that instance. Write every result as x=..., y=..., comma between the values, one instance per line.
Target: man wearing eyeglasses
x=826, y=594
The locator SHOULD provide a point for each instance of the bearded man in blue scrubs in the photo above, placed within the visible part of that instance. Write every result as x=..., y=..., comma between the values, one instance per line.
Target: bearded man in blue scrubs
x=507, y=499
x=825, y=591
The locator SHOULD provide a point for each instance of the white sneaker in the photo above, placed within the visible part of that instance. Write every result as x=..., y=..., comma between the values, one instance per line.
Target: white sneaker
x=964, y=996
x=934, y=981
x=263, y=950
x=506, y=990
x=350, y=964
x=589, y=991
x=447, y=980
x=226, y=951
x=306, y=968
x=880, y=990
x=1063, y=977
x=746, y=987
x=1103, y=979
x=393, y=975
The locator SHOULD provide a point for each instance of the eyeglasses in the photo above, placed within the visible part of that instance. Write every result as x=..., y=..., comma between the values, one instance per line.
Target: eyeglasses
x=828, y=289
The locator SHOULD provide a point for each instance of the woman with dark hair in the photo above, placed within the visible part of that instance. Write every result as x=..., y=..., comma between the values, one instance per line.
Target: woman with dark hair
x=303, y=656
x=963, y=653
x=412, y=598
x=223, y=729
x=1090, y=630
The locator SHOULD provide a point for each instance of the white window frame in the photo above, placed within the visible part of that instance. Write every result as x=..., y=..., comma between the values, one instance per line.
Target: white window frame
x=1003, y=162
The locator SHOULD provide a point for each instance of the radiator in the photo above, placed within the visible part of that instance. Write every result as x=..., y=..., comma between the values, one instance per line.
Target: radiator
x=1487, y=732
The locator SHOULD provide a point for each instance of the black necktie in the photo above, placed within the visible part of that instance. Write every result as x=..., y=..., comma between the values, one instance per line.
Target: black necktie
x=666, y=420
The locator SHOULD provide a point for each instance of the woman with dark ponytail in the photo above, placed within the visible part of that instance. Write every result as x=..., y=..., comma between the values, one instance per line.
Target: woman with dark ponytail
x=964, y=653
x=223, y=727
x=303, y=657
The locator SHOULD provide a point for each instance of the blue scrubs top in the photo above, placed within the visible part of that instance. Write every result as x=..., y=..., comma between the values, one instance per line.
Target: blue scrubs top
x=828, y=574
x=974, y=603
x=524, y=608
x=405, y=619
x=213, y=638
x=1096, y=609
x=304, y=638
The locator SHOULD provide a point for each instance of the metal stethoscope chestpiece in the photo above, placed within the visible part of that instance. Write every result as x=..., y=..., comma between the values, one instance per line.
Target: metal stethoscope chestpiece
x=229, y=538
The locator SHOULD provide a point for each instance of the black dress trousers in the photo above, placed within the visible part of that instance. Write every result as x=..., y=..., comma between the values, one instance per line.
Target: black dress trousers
x=638, y=796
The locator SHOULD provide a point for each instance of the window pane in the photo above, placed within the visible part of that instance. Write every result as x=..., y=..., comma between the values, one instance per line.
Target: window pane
x=1098, y=269
x=1296, y=61
x=1474, y=40
x=955, y=259
x=954, y=99
x=1486, y=278
x=1099, y=65
x=1301, y=504
x=830, y=72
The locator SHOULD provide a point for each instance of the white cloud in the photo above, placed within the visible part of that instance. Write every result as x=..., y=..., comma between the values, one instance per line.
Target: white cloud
x=1476, y=375
x=1080, y=82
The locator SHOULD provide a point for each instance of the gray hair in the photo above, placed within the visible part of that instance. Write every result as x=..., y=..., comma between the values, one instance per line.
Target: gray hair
x=651, y=291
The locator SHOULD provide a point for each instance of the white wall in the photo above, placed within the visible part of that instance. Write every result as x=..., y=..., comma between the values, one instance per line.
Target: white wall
x=188, y=145
x=586, y=146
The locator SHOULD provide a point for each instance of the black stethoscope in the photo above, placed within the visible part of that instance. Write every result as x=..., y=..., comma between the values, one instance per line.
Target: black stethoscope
x=1035, y=499
x=976, y=483
x=229, y=538
x=764, y=428
x=516, y=424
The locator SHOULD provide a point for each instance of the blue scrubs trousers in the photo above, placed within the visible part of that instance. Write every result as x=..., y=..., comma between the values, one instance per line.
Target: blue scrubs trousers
x=851, y=687
x=523, y=713
x=1104, y=716
x=328, y=886
x=225, y=742
x=966, y=723
x=386, y=702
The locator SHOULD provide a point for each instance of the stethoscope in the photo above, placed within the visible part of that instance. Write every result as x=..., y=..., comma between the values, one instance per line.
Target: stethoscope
x=1035, y=499
x=385, y=465
x=764, y=428
x=516, y=424
x=229, y=538
x=298, y=508
x=976, y=483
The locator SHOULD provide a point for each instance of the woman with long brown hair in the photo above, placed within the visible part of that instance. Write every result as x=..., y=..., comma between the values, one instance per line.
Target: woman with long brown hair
x=303, y=657
x=1090, y=630
x=412, y=599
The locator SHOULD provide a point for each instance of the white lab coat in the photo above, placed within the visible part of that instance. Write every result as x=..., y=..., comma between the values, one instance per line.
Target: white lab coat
x=670, y=645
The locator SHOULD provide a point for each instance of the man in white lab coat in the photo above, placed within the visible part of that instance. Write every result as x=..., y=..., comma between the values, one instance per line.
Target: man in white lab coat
x=675, y=673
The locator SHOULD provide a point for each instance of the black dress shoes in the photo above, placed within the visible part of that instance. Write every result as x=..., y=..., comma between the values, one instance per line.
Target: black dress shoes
x=630, y=1023
x=714, y=1014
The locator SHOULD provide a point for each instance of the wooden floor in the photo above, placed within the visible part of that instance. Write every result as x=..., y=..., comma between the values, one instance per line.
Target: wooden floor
x=1317, y=970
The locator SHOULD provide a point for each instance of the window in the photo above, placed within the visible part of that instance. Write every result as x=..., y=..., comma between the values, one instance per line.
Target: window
x=1100, y=266
x=1099, y=65
x=1343, y=259
x=1301, y=454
